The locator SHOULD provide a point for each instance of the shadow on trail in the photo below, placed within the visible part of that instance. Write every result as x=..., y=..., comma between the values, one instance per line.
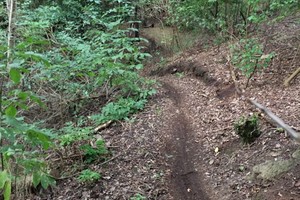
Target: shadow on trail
x=185, y=181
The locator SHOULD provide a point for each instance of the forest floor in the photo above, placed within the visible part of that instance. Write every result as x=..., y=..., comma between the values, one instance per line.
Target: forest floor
x=183, y=145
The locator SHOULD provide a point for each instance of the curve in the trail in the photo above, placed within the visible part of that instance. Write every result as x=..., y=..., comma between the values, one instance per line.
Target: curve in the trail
x=185, y=180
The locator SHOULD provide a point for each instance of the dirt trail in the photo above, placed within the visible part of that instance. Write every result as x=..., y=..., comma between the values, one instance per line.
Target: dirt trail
x=209, y=161
x=185, y=180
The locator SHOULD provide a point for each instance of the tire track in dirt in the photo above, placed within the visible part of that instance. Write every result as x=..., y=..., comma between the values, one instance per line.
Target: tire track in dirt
x=185, y=180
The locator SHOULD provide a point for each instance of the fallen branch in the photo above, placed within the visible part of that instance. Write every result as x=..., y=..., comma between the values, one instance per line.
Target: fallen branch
x=288, y=80
x=103, y=126
x=295, y=135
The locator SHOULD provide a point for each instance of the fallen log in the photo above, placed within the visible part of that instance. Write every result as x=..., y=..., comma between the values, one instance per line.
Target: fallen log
x=295, y=135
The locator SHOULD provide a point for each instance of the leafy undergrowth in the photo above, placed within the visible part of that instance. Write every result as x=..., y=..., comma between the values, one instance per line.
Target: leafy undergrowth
x=65, y=73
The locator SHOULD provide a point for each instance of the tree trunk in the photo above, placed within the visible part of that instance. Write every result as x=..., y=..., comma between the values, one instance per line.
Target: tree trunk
x=11, y=12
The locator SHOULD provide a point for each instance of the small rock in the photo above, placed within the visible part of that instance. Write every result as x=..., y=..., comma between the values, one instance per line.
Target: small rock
x=277, y=145
x=275, y=154
x=296, y=154
x=242, y=168
x=106, y=177
x=297, y=184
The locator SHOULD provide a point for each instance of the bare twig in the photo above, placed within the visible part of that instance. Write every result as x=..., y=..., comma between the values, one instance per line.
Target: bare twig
x=118, y=155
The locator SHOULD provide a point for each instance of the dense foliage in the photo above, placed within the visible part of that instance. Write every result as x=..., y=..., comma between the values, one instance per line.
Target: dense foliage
x=233, y=16
x=65, y=55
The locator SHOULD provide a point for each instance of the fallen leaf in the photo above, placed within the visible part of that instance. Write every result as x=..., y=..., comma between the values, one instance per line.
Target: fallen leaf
x=216, y=149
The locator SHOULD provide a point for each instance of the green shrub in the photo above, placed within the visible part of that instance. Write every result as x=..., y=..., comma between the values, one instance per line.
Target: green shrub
x=248, y=56
x=89, y=176
x=92, y=153
x=247, y=128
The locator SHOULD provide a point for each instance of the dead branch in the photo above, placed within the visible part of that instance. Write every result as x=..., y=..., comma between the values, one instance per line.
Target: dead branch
x=295, y=135
x=103, y=126
x=233, y=76
x=288, y=80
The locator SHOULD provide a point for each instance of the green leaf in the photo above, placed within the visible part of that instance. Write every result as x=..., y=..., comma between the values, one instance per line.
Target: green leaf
x=37, y=100
x=40, y=137
x=11, y=111
x=3, y=178
x=11, y=121
x=7, y=190
x=46, y=181
x=23, y=95
x=36, y=179
x=15, y=75
x=34, y=56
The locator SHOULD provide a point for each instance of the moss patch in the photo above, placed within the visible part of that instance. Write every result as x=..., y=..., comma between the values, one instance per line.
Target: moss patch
x=271, y=169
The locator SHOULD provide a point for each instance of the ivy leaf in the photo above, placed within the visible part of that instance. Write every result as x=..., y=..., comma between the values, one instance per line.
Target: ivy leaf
x=15, y=75
x=11, y=111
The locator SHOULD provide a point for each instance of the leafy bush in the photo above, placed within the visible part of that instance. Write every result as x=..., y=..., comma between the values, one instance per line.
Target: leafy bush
x=70, y=134
x=91, y=153
x=65, y=53
x=89, y=176
x=21, y=142
x=248, y=56
x=247, y=128
x=119, y=110
x=235, y=17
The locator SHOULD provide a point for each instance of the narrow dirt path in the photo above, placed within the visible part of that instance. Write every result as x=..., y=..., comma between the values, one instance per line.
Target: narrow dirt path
x=186, y=181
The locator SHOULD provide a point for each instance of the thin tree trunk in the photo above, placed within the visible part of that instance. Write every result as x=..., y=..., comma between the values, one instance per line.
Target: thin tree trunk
x=11, y=12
